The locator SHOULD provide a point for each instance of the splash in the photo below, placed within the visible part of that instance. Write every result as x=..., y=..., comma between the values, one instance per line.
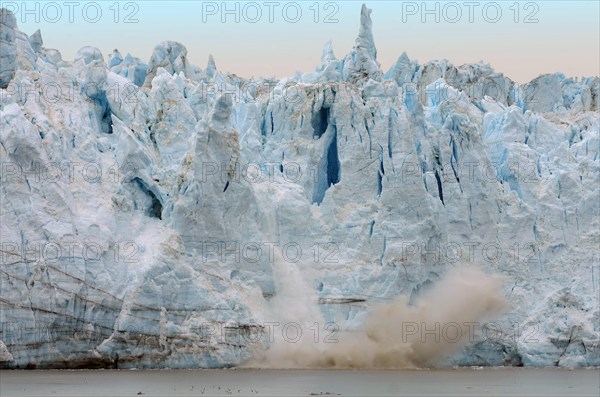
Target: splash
x=396, y=334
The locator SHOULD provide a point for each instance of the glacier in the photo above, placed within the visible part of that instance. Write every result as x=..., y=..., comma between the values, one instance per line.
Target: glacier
x=153, y=212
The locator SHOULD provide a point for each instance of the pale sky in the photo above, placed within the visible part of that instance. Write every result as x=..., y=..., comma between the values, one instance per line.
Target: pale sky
x=277, y=38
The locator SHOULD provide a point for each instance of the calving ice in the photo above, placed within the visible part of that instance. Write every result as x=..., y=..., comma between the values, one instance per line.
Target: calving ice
x=463, y=226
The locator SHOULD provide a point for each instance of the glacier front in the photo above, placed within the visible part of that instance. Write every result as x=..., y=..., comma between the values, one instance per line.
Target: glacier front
x=161, y=215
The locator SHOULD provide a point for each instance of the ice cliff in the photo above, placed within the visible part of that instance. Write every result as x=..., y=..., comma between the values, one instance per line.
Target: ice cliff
x=151, y=212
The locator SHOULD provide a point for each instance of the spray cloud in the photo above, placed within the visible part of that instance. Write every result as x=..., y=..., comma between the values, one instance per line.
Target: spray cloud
x=393, y=335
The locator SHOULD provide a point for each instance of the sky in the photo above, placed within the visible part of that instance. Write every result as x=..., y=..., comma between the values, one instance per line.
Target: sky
x=521, y=39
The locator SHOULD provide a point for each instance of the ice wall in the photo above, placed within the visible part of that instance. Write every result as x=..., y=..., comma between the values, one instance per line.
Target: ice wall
x=155, y=216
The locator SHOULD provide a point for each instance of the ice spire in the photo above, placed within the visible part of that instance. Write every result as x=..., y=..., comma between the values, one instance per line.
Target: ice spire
x=365, y=34
x=115, y=58
x=361, y=62
x=36, y=41
x=330, y=66
x=327, y=55
x=403, y=59
x=211, y=67
x=171, y=56
x=402, y=70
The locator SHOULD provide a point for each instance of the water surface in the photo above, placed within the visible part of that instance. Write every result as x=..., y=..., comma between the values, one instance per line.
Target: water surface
x=253, y=382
